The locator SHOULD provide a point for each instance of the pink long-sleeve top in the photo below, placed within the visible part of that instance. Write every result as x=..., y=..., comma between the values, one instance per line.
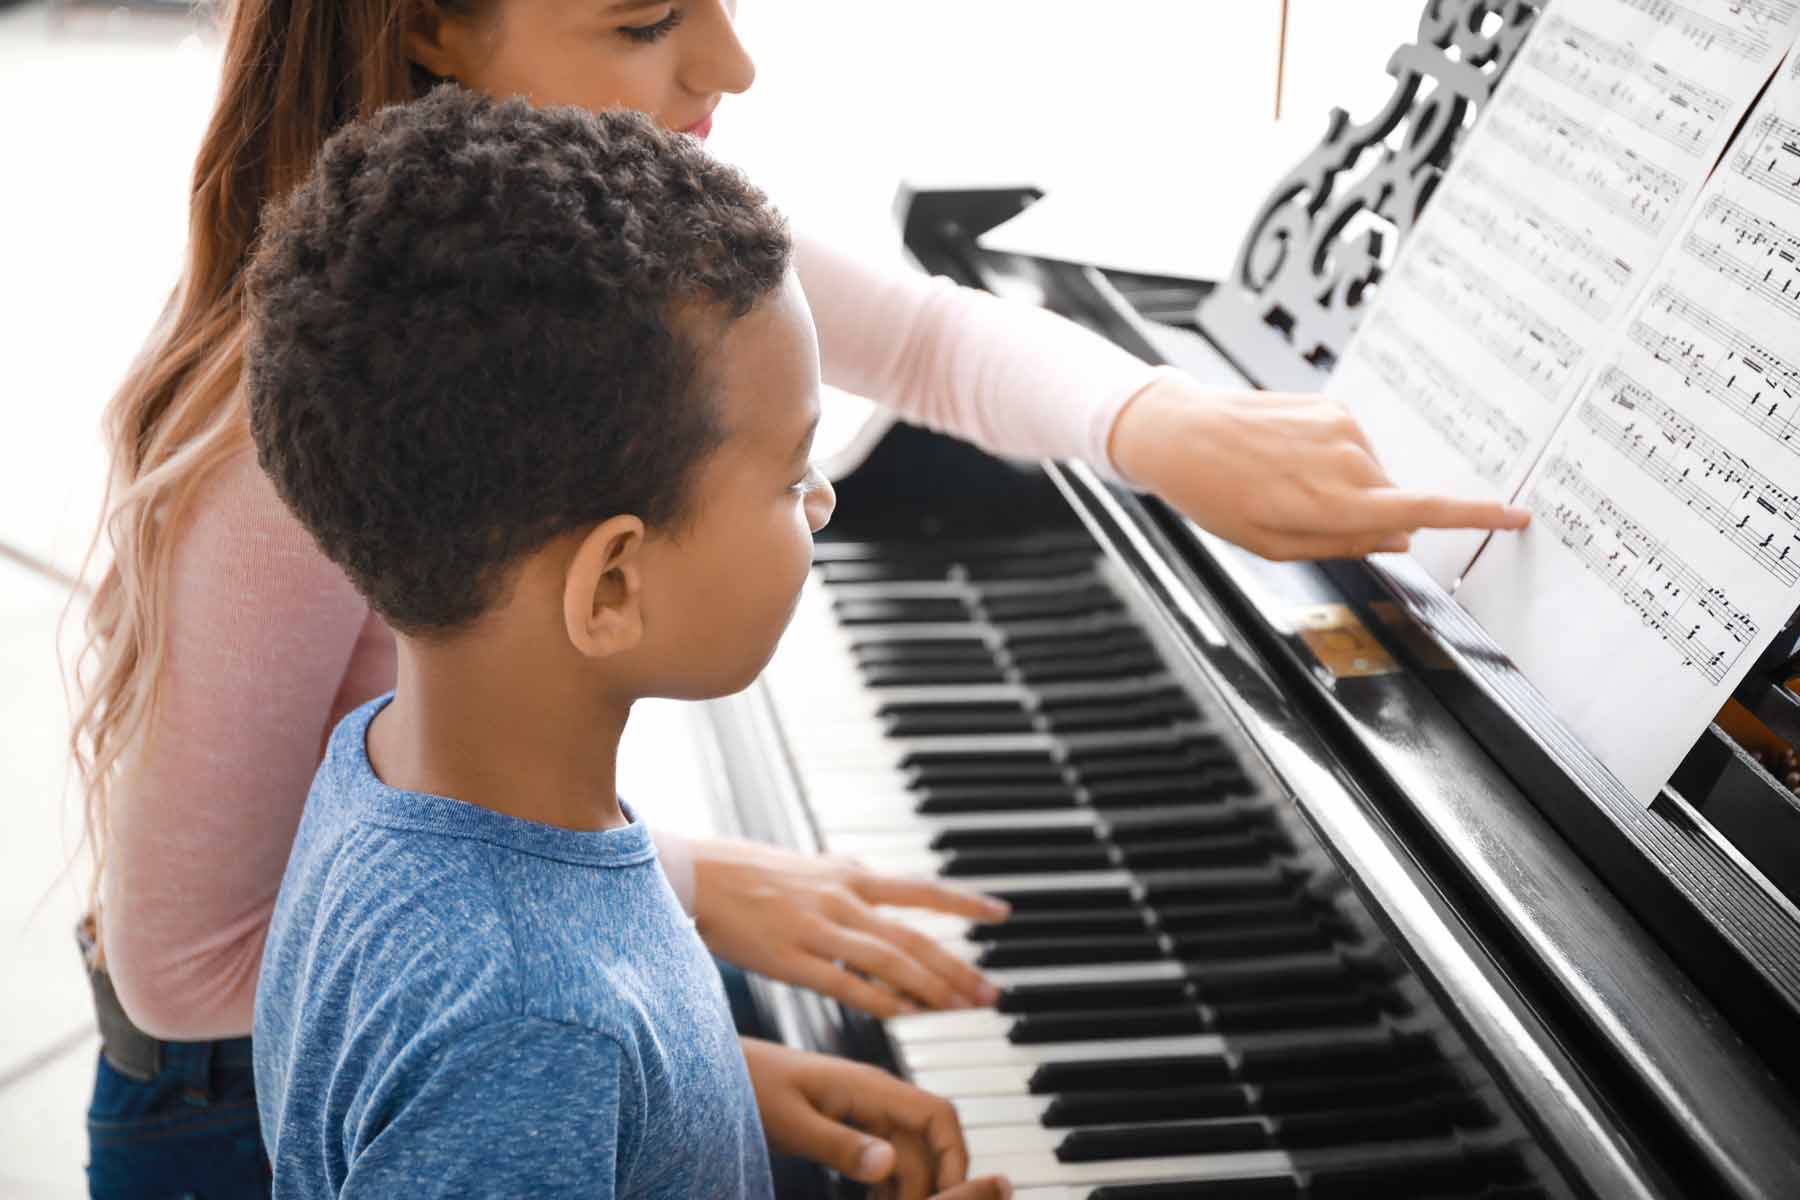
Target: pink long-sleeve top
x=269, y=644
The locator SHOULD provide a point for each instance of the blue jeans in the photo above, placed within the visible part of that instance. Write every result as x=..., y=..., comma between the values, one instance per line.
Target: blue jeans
x=189, y=1132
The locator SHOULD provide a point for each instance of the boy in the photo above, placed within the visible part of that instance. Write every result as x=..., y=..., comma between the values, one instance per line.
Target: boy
x=542, y=383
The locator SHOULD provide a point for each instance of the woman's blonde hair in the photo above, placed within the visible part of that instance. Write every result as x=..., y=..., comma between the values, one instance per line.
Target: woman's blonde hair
x=293, y=72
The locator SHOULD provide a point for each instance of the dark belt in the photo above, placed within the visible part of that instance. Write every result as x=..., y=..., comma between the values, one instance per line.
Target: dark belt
x=134, y=1053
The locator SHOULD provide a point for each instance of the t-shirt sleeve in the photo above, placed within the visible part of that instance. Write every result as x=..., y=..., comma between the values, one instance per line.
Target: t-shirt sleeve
x=524, y=1107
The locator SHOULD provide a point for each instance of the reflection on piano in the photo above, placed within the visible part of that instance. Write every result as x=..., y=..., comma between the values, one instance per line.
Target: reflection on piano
x=1311, y=895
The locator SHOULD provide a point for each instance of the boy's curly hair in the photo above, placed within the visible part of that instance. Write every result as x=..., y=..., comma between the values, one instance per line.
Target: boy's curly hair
x=479, y=325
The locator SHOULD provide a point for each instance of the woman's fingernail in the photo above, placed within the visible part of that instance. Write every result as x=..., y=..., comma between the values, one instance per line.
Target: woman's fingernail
x=998, y=908
x=987, y=993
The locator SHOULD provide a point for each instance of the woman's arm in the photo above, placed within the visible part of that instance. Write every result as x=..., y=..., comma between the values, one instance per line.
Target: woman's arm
x=261, y=630
x=1008, y=377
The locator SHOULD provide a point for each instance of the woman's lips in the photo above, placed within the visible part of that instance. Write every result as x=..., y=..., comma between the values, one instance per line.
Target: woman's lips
x=700, y=128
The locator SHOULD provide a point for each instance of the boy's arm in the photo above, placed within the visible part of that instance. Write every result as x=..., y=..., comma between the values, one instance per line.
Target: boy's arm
x=524, y=1107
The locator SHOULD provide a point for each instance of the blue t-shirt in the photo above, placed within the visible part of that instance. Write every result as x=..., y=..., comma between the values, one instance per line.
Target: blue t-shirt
x=456, y=1002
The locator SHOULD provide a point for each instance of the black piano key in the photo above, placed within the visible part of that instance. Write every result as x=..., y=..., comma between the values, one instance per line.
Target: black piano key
x=1059, y=900
x=1066, y=997
x=1148, y=1074
x=1272, y=1187
x=1200, y=823
x=1134, y=712
x=944, y=768
x=911, y=719
x=1162, y=791
x=970, y=799
x=1065, y=951
x=1181, y=1070
x=931, y=675
x=1070, y=1110
x=1194, y=752
x=1062, y=921
x=1049, y=605
x=1418, y=1119
x=1026, y=646
x=1047, y=565
x=1029, y=860
x=1225, y=850
x=1169, y=1020
x=1454, y=1173
x=1301, y=1012
x=1239, y=914
x=1167, y=1139
x=1008, y=838
x=1237, y=883
x=1092, y=668
x=920, y=652
x=1225, y=982
x=1288, y=1063
x=906, y=610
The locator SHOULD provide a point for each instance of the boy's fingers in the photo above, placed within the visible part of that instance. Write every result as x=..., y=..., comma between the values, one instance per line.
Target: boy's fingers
x=923, y=893
x=967, y=985
x=893, y=966
x=819, y=975
x=912, y=1177
x=991, y=1187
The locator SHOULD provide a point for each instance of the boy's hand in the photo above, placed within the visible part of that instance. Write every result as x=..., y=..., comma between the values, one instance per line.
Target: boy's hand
x=1283, y=475
x=812, y=921
x=865, y=1124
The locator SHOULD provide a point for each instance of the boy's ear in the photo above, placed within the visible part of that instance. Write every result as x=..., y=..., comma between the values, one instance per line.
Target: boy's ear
x=437, y=40
x=603, y=589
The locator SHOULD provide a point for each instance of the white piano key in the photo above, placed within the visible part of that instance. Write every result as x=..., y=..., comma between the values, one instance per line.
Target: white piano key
x=925, y=865
x=1052, y=882
x=1003, y=977
x=965, y=1025
x=1013, y=1139
x=929, y=826
x=1027, y=1171
x=1038, y=1170
x=975, y=1081
x=979, y=1112
x=931, y=1056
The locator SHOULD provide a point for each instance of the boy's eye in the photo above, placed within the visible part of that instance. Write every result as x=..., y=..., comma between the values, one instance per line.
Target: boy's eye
x=651, y=33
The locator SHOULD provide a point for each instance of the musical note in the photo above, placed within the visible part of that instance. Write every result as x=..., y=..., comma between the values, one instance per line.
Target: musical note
x=1781, y=292
x=1691, y=614
x=1770, y=157
x=1745, y=376
x=1476, y=428
x=1512, y=330
x=1613, y=175
x=1743, y=31
x=1649, y=94
x=1566, y=260
x=1755, y=514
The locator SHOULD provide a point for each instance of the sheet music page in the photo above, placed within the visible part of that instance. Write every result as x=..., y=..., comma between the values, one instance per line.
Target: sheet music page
x=1568, y=189
x=1664, y=550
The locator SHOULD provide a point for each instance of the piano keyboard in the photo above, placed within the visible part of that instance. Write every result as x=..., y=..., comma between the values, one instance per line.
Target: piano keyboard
x=1192, y=1005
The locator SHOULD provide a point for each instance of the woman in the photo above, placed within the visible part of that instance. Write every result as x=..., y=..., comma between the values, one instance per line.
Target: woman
x=217, y=609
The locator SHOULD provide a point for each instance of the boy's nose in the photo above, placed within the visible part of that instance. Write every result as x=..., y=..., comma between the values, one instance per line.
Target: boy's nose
x=820, y=503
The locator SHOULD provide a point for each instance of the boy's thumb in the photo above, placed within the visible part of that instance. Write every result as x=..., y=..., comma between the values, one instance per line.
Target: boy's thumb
x=866, y=1159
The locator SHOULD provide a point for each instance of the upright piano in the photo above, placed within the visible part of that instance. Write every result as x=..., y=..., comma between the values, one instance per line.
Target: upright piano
x=1313, y=896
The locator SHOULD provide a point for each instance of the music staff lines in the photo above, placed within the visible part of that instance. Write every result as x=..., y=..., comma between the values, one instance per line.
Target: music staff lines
x=1758, y=283
x=1771, y=159
x=1526, y=233
x=1476, y=428
x=1510, y=329
x=1645, y=92
x=1755, y=514
x=1740, y=388
x=1615, y=177
x=1746, y=37
x=1691, y=615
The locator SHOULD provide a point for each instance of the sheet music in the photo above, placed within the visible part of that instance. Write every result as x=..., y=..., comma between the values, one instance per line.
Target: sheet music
x=1559, y=202
x=1664, y=552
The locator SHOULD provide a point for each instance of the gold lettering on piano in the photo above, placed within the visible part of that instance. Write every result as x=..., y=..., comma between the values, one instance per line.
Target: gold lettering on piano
x=1340, y=642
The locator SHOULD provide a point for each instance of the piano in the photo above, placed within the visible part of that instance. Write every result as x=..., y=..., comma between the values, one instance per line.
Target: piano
x=1313, y=896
